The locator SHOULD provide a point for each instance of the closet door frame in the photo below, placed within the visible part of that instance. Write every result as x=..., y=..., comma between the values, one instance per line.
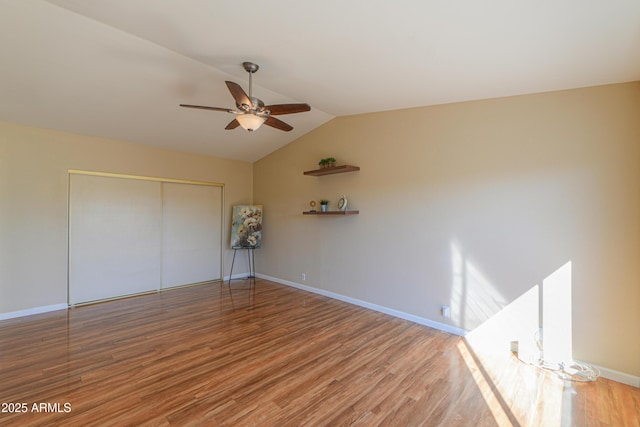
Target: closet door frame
x=72, y=172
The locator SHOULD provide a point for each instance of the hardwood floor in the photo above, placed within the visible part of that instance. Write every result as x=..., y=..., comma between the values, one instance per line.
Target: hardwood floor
x=275, y=356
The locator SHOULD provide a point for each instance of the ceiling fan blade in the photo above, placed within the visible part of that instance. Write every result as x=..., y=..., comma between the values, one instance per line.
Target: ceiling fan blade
x=202, y=107
x=278, y=124
x=239, y=94
x=232, y=124
x=279, y=109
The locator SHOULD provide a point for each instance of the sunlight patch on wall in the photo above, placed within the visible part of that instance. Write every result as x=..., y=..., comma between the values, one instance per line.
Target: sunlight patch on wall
x=478, y=306
x=517, y=322
x=556, y=316
x=474, y=299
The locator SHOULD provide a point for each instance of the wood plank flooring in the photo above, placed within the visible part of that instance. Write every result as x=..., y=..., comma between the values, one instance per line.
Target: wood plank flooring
x=274, y=356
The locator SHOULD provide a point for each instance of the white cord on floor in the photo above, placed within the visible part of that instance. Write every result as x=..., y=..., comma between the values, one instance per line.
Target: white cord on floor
x=577, y=372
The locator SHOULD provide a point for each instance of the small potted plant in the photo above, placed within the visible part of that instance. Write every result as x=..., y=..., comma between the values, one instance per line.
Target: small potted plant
x=327, y=162
x=324, y=203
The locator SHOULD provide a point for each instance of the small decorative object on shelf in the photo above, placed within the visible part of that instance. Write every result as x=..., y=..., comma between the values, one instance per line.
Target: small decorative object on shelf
x=328, y=162
x=313, y=206
x=342, y=203
x=324, y=205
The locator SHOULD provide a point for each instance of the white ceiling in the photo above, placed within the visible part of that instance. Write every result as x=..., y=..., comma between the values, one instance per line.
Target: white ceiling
x=119, y=68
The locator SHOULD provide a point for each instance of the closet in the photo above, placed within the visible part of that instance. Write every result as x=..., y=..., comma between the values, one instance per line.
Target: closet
x=131, y=234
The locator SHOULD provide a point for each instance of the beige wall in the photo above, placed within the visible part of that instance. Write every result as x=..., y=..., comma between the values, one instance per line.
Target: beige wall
x=33, y=201
x=471, y=205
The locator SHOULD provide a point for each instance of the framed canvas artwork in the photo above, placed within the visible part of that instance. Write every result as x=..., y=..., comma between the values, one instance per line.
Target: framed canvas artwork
x=246, y=226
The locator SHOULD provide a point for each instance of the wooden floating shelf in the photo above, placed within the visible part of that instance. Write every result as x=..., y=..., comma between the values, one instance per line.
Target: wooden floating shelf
x=332, y=170
x=331, y=213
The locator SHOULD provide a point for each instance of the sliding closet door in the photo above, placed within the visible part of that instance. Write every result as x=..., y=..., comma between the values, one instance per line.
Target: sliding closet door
x=115, y=229
x=191, y=233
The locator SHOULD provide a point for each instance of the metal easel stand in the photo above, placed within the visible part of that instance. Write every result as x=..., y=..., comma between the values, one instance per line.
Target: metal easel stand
x=252, y=266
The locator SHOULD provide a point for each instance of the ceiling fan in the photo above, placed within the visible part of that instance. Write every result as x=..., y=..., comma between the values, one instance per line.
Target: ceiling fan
x=251, y=112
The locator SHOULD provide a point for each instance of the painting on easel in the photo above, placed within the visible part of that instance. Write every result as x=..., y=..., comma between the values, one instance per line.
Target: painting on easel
x=246, y=226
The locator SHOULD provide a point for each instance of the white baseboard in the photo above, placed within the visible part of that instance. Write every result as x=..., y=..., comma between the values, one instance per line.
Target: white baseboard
x=30, y=311
x=237, y=276
x=613, y=375
x=395, y=313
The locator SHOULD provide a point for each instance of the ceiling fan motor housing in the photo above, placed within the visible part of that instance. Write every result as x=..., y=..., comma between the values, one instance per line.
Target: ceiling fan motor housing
x=256, y=106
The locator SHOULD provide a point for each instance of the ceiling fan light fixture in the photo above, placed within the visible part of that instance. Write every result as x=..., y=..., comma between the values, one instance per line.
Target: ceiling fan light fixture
x=250, y=121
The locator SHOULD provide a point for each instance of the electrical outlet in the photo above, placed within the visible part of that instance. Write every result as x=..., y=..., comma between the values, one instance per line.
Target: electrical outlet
x=445, y=311
x=304, y=277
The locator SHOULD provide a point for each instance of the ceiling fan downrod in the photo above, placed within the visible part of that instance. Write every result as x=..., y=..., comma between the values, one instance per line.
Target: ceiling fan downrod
x=250, y=68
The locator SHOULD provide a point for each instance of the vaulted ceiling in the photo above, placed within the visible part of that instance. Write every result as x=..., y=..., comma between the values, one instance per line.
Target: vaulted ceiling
x=119, y=68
